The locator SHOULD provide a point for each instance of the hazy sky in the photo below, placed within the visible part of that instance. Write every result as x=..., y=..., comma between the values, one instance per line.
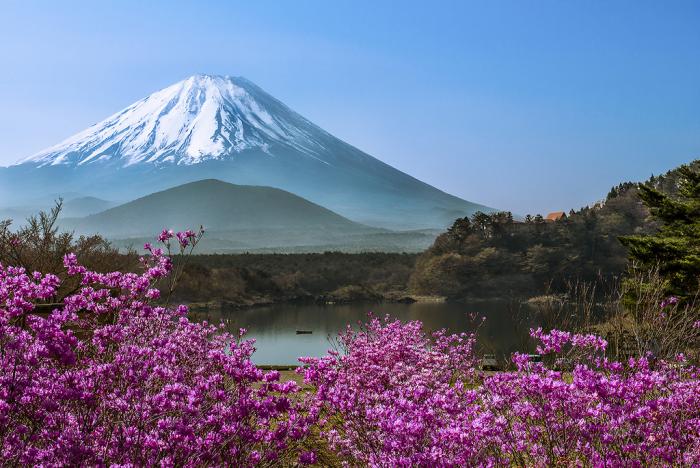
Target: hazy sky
x=528, y=106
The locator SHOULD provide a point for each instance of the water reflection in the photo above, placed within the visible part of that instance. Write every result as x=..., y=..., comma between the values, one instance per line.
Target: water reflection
x=504, y=331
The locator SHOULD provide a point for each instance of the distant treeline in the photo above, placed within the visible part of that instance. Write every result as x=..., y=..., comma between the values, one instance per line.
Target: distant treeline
x=244, y=279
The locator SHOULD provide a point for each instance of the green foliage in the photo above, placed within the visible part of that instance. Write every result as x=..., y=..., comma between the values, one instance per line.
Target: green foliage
x=675, y=247
x=495, y=255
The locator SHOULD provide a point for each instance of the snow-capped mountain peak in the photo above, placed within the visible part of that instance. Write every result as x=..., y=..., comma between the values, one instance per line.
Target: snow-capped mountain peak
x=201, y=118
x=227, y=128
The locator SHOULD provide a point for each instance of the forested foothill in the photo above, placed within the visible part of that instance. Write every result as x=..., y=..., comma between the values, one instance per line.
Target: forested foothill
x=496, y=255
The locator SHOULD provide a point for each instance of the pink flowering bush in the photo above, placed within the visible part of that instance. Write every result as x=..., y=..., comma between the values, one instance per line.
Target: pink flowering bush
x=396, y=397
x=603, y=413
x=112, y=378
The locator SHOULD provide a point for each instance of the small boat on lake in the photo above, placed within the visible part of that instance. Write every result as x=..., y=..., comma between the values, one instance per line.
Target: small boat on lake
x=304, y=332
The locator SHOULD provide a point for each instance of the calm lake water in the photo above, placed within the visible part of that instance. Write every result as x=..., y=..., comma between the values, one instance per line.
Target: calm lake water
x=274, y=327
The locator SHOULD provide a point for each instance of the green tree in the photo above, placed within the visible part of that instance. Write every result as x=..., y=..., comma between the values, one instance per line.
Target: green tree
x=461, y=228
x=675, y=248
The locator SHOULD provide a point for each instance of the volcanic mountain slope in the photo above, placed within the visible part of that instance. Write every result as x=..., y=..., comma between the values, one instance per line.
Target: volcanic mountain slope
x=241, y=218
x=228, y=128
x=220, y=206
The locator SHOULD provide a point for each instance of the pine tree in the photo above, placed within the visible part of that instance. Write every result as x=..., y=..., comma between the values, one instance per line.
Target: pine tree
x=675, y=248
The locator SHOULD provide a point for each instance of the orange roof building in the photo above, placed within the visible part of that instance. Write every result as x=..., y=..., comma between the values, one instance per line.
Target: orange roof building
x=555, y=216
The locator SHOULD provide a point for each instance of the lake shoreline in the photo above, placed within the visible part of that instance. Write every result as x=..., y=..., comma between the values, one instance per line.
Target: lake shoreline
x=389, y=298
x=253, y=303
x=283, y=332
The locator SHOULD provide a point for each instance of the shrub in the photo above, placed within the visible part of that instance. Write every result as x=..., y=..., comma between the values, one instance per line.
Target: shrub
x=39, y=245
x=395, y=397
x=110, y=378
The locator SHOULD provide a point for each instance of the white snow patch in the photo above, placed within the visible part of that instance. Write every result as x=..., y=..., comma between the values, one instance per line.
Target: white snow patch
x=202, y=117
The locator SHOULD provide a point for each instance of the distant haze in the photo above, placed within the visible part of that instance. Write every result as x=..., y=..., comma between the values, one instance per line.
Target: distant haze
x=223, y=127
x=528, y=106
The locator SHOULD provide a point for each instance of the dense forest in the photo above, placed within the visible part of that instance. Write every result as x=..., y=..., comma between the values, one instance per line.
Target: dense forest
x=247, y=279
x=496, y=255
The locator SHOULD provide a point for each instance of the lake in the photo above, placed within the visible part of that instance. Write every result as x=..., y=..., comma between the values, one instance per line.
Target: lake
x=274, y=327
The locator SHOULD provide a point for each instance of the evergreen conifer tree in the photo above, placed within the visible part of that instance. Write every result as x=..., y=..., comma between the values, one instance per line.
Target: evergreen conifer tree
x=675, y=248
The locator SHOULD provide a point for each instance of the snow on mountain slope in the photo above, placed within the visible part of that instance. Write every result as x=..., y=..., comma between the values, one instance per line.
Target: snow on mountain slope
x=227, y=128
x=200, y=118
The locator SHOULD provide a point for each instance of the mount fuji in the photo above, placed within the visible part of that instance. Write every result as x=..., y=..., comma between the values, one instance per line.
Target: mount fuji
x=229, y=129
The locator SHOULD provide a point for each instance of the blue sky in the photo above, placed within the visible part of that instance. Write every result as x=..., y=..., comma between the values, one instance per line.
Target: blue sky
x=524, y=105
